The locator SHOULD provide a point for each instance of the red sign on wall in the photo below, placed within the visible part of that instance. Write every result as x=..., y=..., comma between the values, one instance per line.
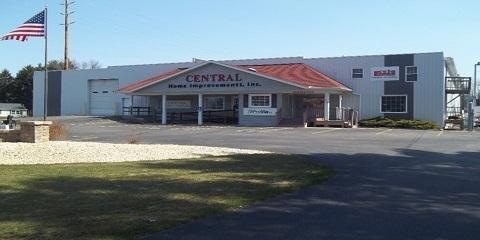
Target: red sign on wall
x=385, y=73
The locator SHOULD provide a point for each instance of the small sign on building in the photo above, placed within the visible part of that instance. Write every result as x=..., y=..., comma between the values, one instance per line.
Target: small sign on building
x=385, y=73
x=179, y=104
x=260, y=111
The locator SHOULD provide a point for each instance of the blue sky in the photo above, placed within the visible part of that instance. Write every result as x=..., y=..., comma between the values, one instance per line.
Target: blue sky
x=124, y=32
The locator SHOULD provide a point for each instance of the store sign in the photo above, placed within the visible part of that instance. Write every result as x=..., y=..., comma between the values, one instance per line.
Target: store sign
x=260, y=111
x=202, y=78
x=179, y=104
x=214, y=80
x=385, y=73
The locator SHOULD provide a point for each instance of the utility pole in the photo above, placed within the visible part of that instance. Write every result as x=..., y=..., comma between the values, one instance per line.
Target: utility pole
x=66, y=25
x=475, y=93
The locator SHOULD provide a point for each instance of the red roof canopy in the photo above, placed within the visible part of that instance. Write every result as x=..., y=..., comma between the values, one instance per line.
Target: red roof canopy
x=143, y=83
x=295, y=73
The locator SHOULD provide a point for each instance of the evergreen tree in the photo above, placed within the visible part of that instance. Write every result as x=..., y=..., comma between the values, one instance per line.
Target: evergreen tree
x=5, y=80
x=21, y=89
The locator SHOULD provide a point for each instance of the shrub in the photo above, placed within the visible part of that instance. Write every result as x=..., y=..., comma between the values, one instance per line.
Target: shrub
x=58, y=131
x=397, y=123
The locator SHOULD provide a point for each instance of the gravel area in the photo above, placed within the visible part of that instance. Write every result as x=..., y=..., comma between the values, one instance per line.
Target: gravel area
x=77, y=152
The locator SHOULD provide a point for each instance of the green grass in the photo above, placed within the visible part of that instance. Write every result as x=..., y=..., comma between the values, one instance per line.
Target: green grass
x=128, y=200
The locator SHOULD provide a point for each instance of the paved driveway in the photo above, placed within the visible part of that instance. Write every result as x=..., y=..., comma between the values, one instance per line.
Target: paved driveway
x=390, y=184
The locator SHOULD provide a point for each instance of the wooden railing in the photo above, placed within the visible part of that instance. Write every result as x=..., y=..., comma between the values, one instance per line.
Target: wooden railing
x=136, y=111
x=221, y=116
x=224, y=116
x=336, y=114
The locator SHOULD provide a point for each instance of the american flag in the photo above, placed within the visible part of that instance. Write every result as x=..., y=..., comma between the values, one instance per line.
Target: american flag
x=34, y=27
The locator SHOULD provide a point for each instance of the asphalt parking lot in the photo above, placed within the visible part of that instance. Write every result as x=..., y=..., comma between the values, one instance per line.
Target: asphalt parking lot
x=390, y=184
x=279, y=139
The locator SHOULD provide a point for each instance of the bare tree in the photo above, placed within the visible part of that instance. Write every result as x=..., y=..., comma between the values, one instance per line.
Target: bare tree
x=92, y=64
x=59, y=65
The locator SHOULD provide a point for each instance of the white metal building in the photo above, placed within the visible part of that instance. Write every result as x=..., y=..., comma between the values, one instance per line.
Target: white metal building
x=257, y=92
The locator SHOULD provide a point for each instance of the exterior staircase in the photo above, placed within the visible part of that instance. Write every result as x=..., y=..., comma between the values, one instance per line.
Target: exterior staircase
x=456, y=91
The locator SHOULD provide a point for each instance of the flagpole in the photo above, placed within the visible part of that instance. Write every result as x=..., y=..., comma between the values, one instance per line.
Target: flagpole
x=45, y=87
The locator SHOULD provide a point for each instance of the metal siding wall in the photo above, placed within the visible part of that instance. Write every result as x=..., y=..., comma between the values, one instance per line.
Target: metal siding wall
x=340, y=69
x=429, y=89
x=54, y=93
x=74, y=94
x=400, y=87
x=38, y=94
x=75, y=84
x=75, y=97
x=352, y=101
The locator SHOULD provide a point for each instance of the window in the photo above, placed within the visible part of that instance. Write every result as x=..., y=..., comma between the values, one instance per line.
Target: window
x=260, y=100
x=394, y=104
x=357, y=73
x=411, y=74
x=215, y=103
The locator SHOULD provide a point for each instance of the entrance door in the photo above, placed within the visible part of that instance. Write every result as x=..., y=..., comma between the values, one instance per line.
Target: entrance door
x=235, y=103
x=313, y=108
x=235, y=108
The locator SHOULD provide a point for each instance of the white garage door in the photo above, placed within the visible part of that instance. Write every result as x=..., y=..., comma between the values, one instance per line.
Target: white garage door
x=103, y=97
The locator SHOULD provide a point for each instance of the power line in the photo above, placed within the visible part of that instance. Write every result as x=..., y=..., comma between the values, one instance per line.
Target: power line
x=66, y=25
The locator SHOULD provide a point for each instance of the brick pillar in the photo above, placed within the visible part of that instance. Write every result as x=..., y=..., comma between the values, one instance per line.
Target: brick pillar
x=35, y=131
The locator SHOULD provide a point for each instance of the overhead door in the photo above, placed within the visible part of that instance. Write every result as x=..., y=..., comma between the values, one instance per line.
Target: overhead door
x=102, y=97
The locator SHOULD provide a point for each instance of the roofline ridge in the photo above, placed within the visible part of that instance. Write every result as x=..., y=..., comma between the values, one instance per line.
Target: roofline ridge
x=267, y=58
x=269, y=64
x=374, y=55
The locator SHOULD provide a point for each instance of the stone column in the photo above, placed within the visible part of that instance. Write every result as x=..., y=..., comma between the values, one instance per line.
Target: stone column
x=327, y=106
x=164, y=109
x=200, y=109
x=35, y=131
x=340, y=110
x=340, y=99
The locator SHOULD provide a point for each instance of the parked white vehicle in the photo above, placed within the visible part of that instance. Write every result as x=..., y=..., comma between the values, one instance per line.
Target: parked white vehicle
x=476, y=113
